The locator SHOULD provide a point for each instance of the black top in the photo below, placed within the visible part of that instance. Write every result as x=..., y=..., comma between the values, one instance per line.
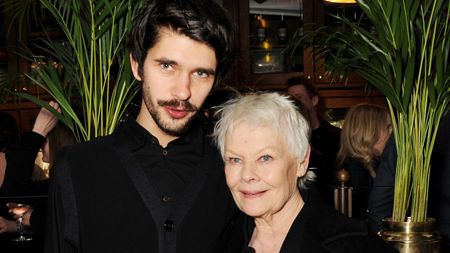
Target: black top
x=19, y=168
x=325, y=141
x=319, y=228
x=361, y=182
x=105, y=196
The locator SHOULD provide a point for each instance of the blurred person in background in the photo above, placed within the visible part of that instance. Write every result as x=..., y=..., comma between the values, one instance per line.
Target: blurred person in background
x=48, y=135
x=325, y=137
x=365, y=131
x=382, y=195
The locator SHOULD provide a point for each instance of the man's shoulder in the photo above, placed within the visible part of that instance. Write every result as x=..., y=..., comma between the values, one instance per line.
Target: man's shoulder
x=91, y=147
x=329, y=127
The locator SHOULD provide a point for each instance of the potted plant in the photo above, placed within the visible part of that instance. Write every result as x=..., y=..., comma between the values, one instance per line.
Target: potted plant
x=404, y=52
x=87, y=71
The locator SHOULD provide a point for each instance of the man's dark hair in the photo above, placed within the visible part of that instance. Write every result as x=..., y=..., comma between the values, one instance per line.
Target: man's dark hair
x=300, y=80
x=201, y=20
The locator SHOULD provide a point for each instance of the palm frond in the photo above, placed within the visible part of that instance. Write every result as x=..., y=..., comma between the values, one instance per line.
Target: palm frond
x=405, y=56
x=93, y=82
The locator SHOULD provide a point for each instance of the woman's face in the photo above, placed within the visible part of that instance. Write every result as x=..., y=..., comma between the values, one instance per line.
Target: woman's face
x=383, y=137
x=260, y=171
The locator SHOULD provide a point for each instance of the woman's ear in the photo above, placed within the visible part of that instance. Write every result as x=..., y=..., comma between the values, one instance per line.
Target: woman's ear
x=302, y=166
x=135, y=68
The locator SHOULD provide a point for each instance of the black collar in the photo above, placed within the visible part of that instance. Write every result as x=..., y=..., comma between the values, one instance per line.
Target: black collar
x=136, y=136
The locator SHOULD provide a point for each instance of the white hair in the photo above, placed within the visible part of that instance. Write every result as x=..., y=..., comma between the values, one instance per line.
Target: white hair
x=266, y=109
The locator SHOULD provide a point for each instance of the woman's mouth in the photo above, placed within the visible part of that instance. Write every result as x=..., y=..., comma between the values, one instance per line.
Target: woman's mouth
x=252, y=194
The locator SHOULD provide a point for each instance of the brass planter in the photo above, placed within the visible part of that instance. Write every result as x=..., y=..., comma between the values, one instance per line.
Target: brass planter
x=412, y=237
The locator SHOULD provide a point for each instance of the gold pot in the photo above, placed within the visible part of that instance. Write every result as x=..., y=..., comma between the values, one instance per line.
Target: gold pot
x=412, y=237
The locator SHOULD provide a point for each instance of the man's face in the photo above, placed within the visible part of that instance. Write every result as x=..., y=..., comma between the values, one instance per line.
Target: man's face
x=300, y=93
x=177, y=76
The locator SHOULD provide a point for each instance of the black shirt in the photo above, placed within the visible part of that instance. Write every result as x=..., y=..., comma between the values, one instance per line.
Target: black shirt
x=168, y=169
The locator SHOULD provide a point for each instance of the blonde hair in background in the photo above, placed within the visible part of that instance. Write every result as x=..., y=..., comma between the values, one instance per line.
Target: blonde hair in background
x=360, y=132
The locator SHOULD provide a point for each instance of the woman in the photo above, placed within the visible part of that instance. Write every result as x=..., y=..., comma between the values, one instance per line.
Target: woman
x=48, y=134
x=264, y=142
x=365, y=131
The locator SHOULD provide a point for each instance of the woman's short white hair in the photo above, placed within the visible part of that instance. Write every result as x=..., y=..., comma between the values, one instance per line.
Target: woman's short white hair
x=268, y=109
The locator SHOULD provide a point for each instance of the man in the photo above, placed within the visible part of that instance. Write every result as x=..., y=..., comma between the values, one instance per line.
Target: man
x=325, y=138
x=157, y=184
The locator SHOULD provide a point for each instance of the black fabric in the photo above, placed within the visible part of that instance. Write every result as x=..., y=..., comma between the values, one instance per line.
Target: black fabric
x=381, y=196
x=361, y=182
x=102, y=200
x=168, y=169
x=325, y=142
x=19, y=168
x=319, y=228
x=440, y=182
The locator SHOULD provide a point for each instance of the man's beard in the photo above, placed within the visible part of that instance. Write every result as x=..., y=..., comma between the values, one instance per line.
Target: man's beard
x=171, y=129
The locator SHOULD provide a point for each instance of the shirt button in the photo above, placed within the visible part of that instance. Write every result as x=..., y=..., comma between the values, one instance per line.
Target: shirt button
x=168, y=225
x=154, y=140
x=164, y=152
x=166, y=199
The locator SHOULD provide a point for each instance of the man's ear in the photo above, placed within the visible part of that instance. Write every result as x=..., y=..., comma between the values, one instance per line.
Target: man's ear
x=302, y=166
x=135, y=68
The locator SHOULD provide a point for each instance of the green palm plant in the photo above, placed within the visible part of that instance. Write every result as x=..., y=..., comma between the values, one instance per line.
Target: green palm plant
x=92, y=81
x=406, y=56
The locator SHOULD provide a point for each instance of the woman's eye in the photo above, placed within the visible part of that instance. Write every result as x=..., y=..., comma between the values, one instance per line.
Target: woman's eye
x=265, y=158
x=234, y=160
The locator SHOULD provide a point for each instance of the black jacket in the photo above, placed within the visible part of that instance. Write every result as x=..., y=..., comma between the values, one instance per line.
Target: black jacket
x=361, y=181
x=319, y=228
x=100, y=200
x=19, y=168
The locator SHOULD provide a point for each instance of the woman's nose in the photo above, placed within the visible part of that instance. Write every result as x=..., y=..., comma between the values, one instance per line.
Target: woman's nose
x=249, y=173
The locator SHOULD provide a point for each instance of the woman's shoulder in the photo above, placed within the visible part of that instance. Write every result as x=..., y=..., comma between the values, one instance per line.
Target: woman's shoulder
x=336, y=232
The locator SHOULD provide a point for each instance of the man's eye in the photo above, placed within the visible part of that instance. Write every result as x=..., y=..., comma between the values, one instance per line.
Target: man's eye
x=166, y=65
x=201, y=74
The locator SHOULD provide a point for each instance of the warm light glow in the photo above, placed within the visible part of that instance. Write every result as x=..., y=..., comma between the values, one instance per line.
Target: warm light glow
x=267, y=58
x=341, y=1
x=266, y=45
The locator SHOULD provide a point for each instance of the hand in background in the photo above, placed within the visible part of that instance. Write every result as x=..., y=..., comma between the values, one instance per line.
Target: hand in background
x=46, y=121
x=7, y=226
